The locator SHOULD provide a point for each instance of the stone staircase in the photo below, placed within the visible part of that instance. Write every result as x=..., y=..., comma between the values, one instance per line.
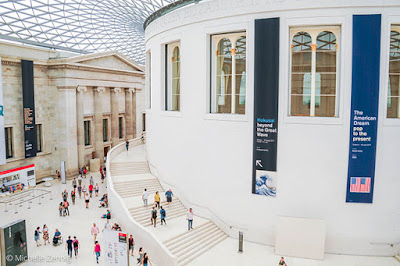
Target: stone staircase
x=136, y=188
x=185, y=246
x=191, y=244
x=142, y=214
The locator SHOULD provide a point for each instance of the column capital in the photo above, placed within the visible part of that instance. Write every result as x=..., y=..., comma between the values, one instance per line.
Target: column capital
x=131, y=90
x=81, y=89
x=100, y=90
x=117, y=90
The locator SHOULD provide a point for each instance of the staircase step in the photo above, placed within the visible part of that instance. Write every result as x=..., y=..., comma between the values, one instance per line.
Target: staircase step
x=186, y=259
x=397, y=257
x=137, y=215
x=184, y=233
x=163, y=203
x=193, y=240
x=167, y=219
x=201, y=241
x=190, y=234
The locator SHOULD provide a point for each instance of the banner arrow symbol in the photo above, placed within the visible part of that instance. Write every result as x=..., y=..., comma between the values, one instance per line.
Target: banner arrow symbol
x=258, y=163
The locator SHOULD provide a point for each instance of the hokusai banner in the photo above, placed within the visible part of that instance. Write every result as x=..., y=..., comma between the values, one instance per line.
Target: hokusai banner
x=364, y=108
x=2, y=134
x=266, y=87
x=29, y=108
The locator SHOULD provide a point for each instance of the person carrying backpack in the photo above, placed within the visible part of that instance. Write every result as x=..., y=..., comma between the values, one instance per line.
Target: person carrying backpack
x=154, y=216
x=163, y=214
x=75, y=243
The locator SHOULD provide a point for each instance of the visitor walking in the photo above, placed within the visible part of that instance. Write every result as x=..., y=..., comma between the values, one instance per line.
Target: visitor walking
x=102, y=178
x=84, y=190
x=282, y=262
x=45, y=234
x=95, y=231
x=74, y=183
x=80, y=191
x=90, y=190
x=146, y=260
x=75, y=243
x=96, y=189
x=107, y=226
x=157, y=199
x=68, y=246
x=37, y=234
x=154, y=216
x=87, y=198
x=64, y=195
x=73, y=196
x=189, y=217
x=169, y=195
x=58, y=175
x=163, y=214
x=127, y=144
x=80, y=179
x=139, y=260
x=84, y=171
x=131, y=244
x=145, y=197
x=97, y=250
x=61, y=209
x=66, y=210
x=91, y=181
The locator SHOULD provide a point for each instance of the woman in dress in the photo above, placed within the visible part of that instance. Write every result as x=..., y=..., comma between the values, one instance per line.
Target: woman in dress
x=45, y=234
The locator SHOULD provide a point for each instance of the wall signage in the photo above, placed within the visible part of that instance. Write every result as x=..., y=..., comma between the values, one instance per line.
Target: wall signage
x=29, y=108
x=364, y=108
x=266, y=88
x=116, y=248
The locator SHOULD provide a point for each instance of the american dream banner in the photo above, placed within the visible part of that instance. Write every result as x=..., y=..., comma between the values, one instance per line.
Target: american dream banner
x=266, y=86
x=2, y=134
x=364, y=108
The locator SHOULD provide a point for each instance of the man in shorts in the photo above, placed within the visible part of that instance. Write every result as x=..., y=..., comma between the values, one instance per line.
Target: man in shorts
x=169, y=195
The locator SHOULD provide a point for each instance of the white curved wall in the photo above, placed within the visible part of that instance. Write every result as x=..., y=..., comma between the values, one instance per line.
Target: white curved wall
x=209, y=156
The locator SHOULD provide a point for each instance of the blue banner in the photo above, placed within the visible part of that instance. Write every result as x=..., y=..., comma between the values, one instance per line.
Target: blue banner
x=364, y=107
x=266, y=90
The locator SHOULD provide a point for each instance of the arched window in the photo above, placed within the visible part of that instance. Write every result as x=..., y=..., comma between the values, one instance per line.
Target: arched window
x=325, y=86
x=313, y=74
x=393, y=104
x=240, y=71
x=172, y=77
x=228, y=80
x=300, y=94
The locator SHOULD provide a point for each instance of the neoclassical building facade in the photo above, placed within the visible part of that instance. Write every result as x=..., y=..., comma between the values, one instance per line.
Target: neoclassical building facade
x=84, y=105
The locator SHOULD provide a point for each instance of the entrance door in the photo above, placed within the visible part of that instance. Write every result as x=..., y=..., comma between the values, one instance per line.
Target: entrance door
x=106, y=149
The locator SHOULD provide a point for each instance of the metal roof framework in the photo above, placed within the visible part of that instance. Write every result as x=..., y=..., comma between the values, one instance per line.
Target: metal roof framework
x=82, y=26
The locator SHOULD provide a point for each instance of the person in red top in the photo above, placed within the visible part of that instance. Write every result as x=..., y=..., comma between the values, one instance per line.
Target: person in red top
x=90, y=190
x=101, y=170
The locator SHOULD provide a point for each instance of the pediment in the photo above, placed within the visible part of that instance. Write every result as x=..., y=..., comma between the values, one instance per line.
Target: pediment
x=110, y=61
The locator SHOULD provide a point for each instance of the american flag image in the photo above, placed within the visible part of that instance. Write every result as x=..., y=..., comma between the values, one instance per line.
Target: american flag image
x=360, y=184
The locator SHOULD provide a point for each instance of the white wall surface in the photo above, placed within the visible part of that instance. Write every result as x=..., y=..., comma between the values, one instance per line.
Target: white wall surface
x=209, y=157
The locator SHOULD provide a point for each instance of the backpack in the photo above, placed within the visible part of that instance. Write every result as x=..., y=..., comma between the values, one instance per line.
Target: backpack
x=162, y=212
x=154, y=214
x=76, y=244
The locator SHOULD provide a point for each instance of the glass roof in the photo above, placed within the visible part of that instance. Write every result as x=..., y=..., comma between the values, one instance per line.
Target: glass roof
x=79, y=25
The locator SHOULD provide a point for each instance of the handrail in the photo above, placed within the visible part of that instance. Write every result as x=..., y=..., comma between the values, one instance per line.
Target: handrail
x=183, y=198
x=157, y=251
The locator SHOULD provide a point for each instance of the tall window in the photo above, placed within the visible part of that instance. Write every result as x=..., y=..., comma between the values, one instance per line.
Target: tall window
x=228, y=68
x=148, y=78
x=393, y=101
x=105, y=130
x=314, y=72
x=87, y=132
x=39, y=138
x=173, y=75
x=9, y=142
x=120, y=127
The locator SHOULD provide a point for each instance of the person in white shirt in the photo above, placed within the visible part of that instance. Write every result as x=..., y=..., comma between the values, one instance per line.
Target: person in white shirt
x=87, y=198
x=107, y=226
x=145, y=197
x=189, y=217
x=80, y=179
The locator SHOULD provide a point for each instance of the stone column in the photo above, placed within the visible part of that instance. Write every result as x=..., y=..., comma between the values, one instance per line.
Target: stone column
x=67, y=130
x=128, y=113
x=98, y=123
x=114, y=116
x=134, y=118
x=79, y=124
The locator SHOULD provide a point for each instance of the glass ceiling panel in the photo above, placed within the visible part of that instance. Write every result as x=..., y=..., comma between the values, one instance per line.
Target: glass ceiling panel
x=87, y=25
